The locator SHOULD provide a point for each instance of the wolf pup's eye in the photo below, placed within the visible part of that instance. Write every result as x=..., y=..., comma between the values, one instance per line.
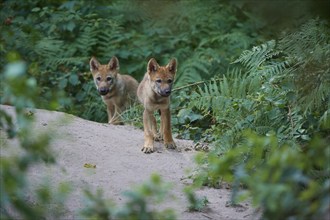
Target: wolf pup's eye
x=109, y=78
x=98, y=78
x=158, y=80
x=169, y=81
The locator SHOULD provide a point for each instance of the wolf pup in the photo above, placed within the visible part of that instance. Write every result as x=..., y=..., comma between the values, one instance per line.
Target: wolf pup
x=154, y=93
x=118, y=91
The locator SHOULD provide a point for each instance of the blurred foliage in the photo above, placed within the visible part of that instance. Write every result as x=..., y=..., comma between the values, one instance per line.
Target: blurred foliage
x=287, y=182
x=15, y=200
x=139, y=205
x=195, y=203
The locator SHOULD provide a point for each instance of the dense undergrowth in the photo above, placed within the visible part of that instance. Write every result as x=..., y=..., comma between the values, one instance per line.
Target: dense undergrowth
x=58, y=39
x=259, y=99
x=271, y=129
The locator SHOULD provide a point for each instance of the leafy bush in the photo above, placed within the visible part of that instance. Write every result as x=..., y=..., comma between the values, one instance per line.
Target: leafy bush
x=21, y=91
x=195, y=203
x=265, y=94
x=282, y=164
x=137, y=206
x=287, y=182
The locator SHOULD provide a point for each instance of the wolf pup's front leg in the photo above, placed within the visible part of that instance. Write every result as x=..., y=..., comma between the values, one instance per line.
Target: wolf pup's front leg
x=154, y=93
x=149, y=122
x=166, y=128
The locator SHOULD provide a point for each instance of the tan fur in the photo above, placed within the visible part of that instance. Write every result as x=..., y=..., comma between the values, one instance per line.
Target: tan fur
x=118, y=91
x=153, y=92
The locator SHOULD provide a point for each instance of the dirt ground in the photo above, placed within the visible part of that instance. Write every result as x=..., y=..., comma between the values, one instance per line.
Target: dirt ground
x=120, y=165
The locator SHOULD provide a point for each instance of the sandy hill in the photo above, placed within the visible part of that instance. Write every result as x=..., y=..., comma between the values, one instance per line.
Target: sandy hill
x=120, y=165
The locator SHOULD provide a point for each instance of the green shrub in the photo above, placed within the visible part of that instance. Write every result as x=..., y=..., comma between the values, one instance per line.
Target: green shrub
x=139, y=204
x=283, y=163
x=21, y=91
x=286, y=182
x=265, y=93
x=195, y=203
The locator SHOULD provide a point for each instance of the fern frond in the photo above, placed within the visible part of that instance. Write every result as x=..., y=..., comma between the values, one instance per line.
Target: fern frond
x=275, y=68
x=317, y=97
x=192, y=70
x=228, y=93
x=87, y=40
x=67, y=61
x=310, y=47
x=252, y=59
x=196, y=68
x=49, y=47
x=304, y=41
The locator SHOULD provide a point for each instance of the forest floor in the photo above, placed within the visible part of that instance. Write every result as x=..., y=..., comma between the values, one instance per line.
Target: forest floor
x=120, y=166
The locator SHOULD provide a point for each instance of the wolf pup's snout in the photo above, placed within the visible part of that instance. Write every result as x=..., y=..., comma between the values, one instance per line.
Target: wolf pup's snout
x=103, y=91
x=165, y=92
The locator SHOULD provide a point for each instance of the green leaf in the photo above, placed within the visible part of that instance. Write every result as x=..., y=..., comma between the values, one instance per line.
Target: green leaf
x=187, y=115
x=74, y=79
x=63, y=83
x=70, y=26
x=36, y=9
x=14, y=70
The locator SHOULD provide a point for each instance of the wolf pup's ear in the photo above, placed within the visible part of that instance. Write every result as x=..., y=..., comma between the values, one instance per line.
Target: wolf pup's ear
x=113, y=64
x=152, y=65
x=94, y=64
x=171, y=66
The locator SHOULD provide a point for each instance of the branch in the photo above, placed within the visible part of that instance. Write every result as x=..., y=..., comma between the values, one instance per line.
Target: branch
x=194, y=84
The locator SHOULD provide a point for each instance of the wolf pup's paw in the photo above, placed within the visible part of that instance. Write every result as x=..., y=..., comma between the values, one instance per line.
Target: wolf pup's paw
x=158, y=137
x=147, y=150
x=170, y=145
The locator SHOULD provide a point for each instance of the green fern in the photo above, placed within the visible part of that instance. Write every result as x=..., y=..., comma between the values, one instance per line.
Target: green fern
x=306, y=40
x=269, y=96
x=230, y=91
x=195, y=68
x=252, y=59
x=231, y=102
x=310, y=47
